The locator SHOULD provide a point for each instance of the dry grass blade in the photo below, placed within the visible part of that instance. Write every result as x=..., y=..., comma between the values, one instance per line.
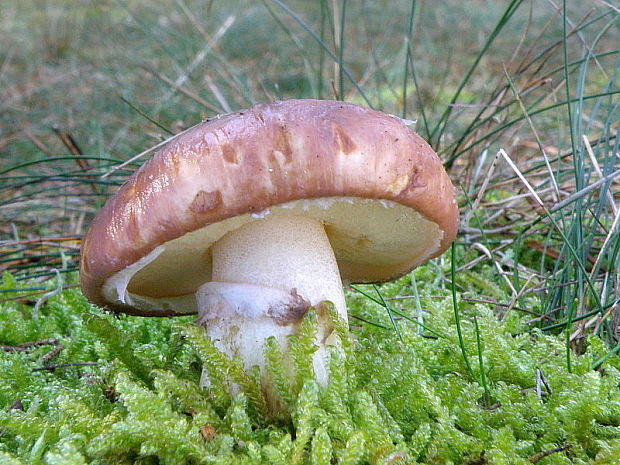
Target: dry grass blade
x=597, y=168
x=609, y=5
x=521, y=177
x=541, y=146
x=178, y=83
x=188, y=93
x=481, y=192
x=500, y=271
x=585, y=191
x=140, y=155
x=218, y=94
x=606, y=243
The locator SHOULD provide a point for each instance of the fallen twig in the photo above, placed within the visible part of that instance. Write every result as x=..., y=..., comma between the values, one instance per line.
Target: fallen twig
x=52, y=367
x=27, y=345
x=541, y=455
x=52, y=353
x=69, y=142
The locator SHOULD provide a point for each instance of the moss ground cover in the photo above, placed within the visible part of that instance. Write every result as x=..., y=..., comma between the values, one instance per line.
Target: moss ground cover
x=125, y=390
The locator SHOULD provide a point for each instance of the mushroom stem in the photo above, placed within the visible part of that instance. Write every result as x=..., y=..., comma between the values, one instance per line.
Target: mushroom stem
x=266, y=274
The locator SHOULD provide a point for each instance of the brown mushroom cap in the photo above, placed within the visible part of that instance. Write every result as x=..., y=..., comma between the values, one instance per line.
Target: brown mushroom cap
x=381, y=192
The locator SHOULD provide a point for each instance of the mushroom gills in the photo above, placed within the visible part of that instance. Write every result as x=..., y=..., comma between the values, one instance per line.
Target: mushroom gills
x=373, y=240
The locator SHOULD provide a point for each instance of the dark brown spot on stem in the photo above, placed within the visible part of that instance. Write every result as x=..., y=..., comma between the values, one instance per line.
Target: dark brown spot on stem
x=296, y=309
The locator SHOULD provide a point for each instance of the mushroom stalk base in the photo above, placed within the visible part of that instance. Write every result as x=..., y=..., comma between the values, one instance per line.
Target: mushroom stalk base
x=266, y=275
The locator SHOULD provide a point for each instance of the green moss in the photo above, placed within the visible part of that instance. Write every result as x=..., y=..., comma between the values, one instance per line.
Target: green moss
x=387, y=401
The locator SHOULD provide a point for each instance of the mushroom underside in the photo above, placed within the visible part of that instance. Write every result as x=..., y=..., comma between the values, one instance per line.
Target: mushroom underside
x=372, y=241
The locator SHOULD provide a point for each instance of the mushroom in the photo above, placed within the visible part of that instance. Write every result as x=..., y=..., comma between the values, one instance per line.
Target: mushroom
x=251, y=218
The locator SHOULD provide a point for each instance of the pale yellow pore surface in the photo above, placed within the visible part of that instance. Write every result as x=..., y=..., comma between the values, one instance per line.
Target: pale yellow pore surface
x=372, y=240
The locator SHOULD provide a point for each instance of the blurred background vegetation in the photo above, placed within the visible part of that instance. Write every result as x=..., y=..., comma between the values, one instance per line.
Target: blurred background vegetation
x=70, y=64
x=86, y=85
